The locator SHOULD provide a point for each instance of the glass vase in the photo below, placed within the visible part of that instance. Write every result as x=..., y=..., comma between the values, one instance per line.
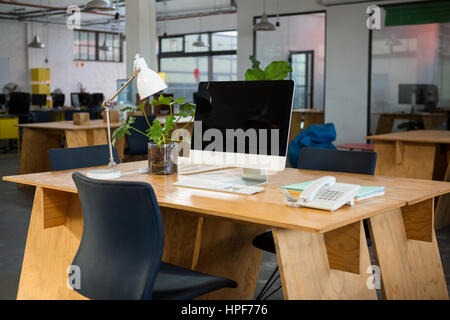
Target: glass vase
x=162, y=159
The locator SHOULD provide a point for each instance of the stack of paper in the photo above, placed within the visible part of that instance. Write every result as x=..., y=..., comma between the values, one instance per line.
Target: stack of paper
x=365, y=192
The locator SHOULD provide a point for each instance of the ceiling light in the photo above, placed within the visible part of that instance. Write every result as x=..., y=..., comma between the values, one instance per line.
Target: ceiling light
x=99, y=5
x=199, y=42
x=264, y=24
x=36, y=43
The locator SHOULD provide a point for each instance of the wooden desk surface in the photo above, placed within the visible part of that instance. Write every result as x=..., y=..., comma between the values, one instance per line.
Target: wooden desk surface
x=264, y=208
x=423, y=136
x=68, y=125
x=308, y=110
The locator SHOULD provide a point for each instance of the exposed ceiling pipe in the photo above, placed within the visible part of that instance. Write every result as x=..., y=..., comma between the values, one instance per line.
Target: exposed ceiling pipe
x=32, y=5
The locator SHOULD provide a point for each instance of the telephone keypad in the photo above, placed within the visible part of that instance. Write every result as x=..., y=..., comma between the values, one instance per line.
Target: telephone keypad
x=330, y=195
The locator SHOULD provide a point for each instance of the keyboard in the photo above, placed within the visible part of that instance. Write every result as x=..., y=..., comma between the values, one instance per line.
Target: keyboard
x=190, y=168
x=209, y=184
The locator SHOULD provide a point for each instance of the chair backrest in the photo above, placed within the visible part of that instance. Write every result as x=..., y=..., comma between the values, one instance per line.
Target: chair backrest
x=58, y=99
x=83, y=157
x=85, y=98
x=138, y=143
x=96, y=100
x=121, y=248
x=40, y=116
x=19, y=103
x=2, y=99
x=363, y=162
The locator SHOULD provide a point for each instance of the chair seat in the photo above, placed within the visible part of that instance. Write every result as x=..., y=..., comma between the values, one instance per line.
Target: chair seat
x=176, y=283
x=265, y=242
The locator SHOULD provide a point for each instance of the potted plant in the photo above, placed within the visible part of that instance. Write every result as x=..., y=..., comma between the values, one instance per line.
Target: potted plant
x=162, y=149
x=276, y=70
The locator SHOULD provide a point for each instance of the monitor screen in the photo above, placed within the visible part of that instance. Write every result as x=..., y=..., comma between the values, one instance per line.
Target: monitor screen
x=38, y=99
x=252, y=117
x=74, y=99
x=424, y=93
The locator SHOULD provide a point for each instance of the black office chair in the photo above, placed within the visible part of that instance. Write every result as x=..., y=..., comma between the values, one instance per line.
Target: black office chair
x=2, y=100
x=362, y=162
x=138, y=143
x=40, y=116
x=19, y=105
x=85, y=99
x=121, y=248
x=58, y=100
x=68, y=114
x=74, y=158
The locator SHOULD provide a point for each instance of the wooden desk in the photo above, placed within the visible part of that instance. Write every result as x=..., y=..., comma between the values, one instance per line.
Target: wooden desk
x=37, y=138
x=420, y=154
x=308, y=116
x=321, y=255
x=431, y=121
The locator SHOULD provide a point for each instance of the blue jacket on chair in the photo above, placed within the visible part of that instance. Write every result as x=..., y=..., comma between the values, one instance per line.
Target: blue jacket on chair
x=315, y=136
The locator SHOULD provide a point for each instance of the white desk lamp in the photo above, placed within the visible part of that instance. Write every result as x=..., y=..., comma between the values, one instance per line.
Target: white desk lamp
x=148, y=83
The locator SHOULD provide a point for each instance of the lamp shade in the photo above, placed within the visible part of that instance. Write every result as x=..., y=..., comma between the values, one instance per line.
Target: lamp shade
x=99, y=5
x=148, y=81
x=36, y=43
x=264, y=24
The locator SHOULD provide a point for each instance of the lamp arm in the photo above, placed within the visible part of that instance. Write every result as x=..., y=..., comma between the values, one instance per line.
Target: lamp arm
x=107, y=106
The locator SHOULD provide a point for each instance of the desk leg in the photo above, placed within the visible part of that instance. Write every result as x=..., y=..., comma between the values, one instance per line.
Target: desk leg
x=407, y=253
x=35, y=144
x=311, y=264
x=217, y=247
x=50, y=251
x=411, y=160
x=442, y=216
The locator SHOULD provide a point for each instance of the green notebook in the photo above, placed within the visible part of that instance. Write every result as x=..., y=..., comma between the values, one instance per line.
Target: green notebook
x=364, y=192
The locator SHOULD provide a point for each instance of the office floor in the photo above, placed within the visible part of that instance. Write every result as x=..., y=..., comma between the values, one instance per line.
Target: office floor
x=15, y=209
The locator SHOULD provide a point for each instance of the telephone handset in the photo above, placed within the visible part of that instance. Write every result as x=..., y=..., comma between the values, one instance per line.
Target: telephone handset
x=324, y=193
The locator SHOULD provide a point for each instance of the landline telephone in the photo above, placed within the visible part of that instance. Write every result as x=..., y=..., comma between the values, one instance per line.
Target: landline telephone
x=324, y=193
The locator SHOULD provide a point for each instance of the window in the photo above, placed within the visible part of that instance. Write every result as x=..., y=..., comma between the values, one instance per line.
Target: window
x=299, y=39
x=410, y=74
x=97, y=46
x=185, y=64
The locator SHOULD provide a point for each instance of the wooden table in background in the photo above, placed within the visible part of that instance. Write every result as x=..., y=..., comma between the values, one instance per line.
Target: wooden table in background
x=431, y=121
x=308, y=116
x=321, y=255
x=419, y=154
x=38, y=138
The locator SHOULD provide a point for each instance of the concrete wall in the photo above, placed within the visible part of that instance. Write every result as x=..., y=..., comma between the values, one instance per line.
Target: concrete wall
x=64, y=72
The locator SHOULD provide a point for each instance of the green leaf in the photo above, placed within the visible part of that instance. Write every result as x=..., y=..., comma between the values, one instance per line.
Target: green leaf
x=163, y=100
x=187, y=110
x=128, y=108
x=179, y=100
x=131, y=120
x=255, y=63
x=254, y=74
x=169, y=124
x=277, y=70
x=156, y=132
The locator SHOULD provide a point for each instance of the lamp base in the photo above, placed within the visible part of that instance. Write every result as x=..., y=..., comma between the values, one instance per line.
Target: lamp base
x=103, y=174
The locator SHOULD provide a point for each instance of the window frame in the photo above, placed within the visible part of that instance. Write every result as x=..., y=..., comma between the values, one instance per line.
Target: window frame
x=97, y=45
x=183, y=54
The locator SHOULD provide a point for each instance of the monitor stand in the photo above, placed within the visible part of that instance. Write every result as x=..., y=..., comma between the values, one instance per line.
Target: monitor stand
x=252, y=177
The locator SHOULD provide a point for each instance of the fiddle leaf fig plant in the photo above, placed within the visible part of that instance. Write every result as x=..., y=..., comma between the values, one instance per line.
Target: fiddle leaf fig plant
x=276, y=70
x=158, y=133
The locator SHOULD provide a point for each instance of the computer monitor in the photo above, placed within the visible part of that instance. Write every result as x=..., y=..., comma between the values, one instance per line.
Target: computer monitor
x=243, y=124
x=75, y=100
x=418, y=94
x=39, y=100
x=2, y=100
x=84, y=98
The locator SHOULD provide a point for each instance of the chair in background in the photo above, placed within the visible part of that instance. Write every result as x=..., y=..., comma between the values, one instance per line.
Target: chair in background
x=125, y=262
x=58, y=100
x=74, y=158
x=2, y=101
x=39, y=100
x=95, y=105
x=19, y=105
x=362, y=162
x=40, y=116
x=138, y=143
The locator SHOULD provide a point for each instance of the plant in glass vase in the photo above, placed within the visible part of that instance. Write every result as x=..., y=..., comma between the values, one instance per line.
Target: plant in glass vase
x=162, y=149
